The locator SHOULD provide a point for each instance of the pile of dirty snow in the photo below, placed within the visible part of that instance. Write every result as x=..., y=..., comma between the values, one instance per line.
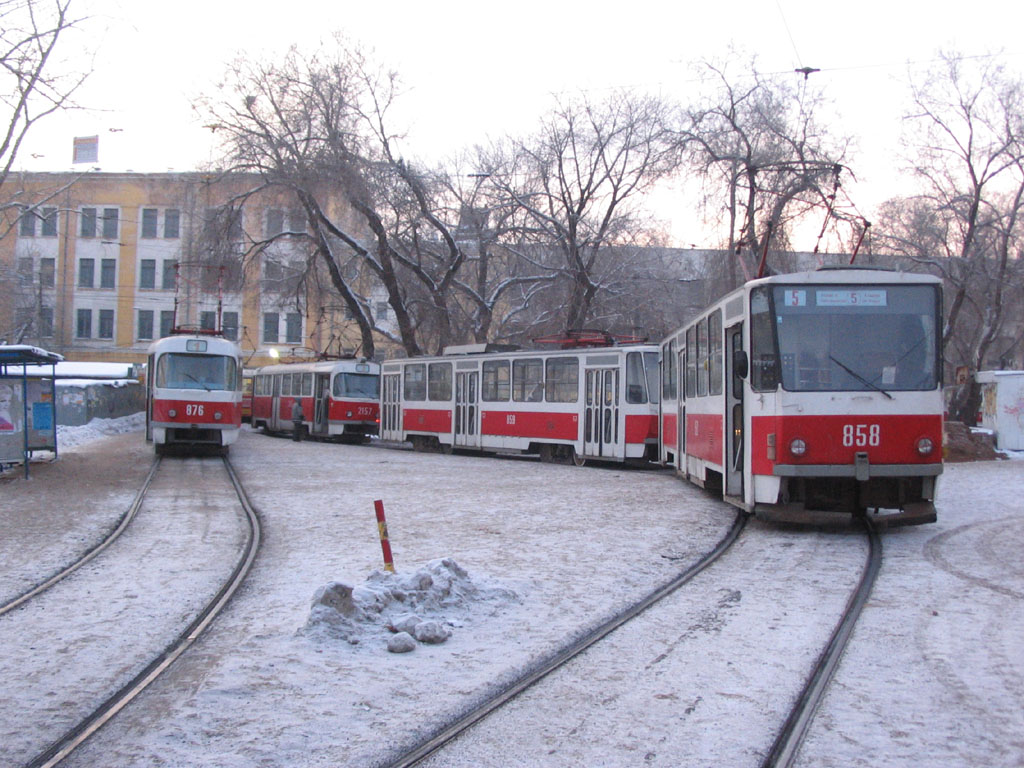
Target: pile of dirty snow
x=402, y=610
x=71, y=437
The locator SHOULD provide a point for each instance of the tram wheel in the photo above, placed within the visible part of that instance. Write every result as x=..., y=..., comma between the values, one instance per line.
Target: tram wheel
x=578, y=460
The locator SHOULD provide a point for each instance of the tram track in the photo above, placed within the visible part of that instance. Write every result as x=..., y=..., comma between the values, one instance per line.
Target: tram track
x=538, y=672
x=784, y=750
x=90, y=554
x=86, y=726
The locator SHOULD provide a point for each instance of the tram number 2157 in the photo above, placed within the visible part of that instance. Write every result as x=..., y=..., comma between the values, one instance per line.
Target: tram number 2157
x=861, y=435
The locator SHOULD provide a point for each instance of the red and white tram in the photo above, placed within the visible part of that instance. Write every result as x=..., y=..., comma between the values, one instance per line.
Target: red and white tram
x=568, y=405
x=193, y=392
x=339, y=398
x=808, y=395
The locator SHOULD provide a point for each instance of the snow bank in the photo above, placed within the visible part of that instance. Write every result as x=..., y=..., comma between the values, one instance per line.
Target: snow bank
x=72, y=437
x=399, y=609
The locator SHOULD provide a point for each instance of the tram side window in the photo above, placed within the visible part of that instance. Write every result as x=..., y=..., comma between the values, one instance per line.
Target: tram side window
x=669, y=376
x=651, y=373
x=415, y=386
x=528, y=380
x=307, y=384
x=562, y=380
x=636, y=382
x=702, y=358
x=495, y=382
x=715, y=352
x=439, y=381
x=764, y=373
x=691, y=362
x=286, y=384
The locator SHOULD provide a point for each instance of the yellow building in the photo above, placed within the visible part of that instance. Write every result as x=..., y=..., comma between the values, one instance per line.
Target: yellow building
x=96, y=266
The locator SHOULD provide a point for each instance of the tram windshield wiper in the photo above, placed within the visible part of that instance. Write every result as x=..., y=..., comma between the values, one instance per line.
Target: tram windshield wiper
x=859, y=378
x=197, y=381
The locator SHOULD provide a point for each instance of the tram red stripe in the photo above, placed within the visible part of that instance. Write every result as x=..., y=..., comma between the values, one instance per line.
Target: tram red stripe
x=551, y=425
x=641, y=427
x=426, y=420
x=192, y=412
x=837, y=439
x=704, y=436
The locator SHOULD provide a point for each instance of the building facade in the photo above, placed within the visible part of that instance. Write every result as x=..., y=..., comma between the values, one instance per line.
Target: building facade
x=96, y=266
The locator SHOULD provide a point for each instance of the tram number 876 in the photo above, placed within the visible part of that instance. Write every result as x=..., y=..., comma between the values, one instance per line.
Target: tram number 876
x=860, y=435
x=194, y=409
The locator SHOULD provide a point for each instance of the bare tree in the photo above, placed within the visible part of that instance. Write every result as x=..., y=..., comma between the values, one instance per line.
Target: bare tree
x=30, y=86
x=318, y=127
x=765, y=161
x=967, y=150
x=576, y=187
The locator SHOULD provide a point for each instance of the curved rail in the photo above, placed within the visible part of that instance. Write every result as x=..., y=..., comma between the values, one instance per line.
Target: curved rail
x=120, y=699
x=787, y=743
x=123, y=523
x=547, y=666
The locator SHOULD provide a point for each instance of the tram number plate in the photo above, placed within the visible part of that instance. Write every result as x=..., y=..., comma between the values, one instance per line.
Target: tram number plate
x=194, y=409
x=861, y=435
x=364, y=410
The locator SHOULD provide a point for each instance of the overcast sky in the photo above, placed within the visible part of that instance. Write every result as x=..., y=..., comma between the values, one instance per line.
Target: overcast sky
x=475, y=70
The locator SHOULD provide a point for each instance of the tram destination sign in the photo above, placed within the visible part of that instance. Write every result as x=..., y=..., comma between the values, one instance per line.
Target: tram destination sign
x=851, y=298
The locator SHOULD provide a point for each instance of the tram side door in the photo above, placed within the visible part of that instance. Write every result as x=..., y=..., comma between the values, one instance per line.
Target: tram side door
x=150, y=382
x=601, y=430
x=321, y=403
x=391, y=406
x=467, y=411
x=734, y=425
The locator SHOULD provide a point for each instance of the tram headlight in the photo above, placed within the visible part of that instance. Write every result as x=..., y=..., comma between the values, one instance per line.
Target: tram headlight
x=348, y=414
x=797, y=447
x=216, y=416
x=172, y=413
x=925, y=446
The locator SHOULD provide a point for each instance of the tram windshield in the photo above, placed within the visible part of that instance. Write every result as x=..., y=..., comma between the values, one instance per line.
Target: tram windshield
x=356, y=385
x=813, y=338
x=180, y=370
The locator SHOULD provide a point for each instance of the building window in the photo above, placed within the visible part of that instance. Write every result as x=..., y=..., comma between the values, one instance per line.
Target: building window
x=145, y=331
x=208, y=321
x=110, y=223
x=49, y=222
x=88, y=222
x=270, y=327
x=293, y=328
x=27, y=224
x=147, y=273
x=297, y=220
x=108, y=272
x=106, y=324
x=229, y=323
x=172, y=220
x=166, y=322
x=86, y=270
x=25, y=267
x=83, y=324
x=170, y=275
x=382, y=310
x=275, y=222
x=149, y=222
x=46, y=321
x=47, y=271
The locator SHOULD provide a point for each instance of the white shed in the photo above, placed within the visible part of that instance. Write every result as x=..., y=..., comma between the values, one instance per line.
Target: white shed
x=1002, y=407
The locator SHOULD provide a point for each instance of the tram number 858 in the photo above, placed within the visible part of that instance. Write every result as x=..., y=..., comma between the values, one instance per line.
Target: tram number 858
x=860, y=435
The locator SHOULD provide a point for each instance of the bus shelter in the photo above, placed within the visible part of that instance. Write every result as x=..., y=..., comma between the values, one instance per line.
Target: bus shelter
x=28, y=418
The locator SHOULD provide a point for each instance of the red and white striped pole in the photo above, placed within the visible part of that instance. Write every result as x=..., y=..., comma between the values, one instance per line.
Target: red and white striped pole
x=382, y=530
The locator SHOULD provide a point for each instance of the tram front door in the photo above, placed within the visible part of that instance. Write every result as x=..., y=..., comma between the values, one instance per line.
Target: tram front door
x=321, y=394
x=391, y=406
x=601, y=432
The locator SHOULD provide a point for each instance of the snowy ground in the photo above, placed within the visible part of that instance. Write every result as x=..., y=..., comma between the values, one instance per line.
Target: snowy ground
x=513, y=557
